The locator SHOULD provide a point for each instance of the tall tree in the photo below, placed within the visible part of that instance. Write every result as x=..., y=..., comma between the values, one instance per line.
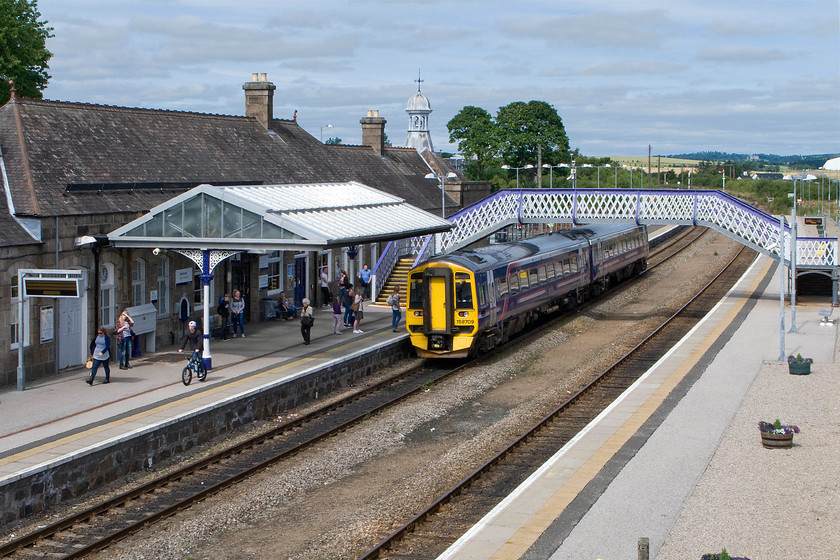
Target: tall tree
x=523, y=127
x=23, y=51
x=475, y=133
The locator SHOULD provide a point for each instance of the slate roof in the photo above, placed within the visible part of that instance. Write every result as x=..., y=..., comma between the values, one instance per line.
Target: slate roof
x=74, y=158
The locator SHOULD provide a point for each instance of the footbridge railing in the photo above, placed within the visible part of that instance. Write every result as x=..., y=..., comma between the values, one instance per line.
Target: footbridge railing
x=710, y=208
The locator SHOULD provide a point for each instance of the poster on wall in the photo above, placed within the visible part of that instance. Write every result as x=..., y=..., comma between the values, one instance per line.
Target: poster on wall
x=263, y=262
x=263, y=281
x=47, y=327
x=290, y=275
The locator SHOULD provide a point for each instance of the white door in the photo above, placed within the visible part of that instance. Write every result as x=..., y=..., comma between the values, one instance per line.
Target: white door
x=71, y=332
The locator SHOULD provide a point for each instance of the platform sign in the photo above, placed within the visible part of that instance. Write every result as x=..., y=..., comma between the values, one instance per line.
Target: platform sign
x=813, y=220
x=51, y=287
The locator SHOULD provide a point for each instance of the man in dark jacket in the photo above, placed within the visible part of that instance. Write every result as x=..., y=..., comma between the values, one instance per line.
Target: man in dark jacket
x=224, y=312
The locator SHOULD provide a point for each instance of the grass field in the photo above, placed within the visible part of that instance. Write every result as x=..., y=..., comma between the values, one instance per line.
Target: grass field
x=656, y=161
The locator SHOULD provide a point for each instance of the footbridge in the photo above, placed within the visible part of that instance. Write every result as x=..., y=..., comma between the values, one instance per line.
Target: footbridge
x=710, y=208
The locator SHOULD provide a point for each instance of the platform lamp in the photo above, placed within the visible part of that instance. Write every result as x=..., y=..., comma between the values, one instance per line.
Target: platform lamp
x=442, y=179
x=551, y=172
x=528, y=166
x=322, y=131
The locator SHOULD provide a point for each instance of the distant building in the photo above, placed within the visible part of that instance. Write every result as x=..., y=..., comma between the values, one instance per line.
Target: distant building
x=770, y=176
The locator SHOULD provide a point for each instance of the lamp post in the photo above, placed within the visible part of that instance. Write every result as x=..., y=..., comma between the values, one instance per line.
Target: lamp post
x=442, y=179
x=322, y=131
x=551, y=172
x=528, y=166
x=599, y=174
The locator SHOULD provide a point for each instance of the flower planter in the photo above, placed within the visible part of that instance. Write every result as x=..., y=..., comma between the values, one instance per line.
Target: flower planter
x=775, y=441
x=799, y=368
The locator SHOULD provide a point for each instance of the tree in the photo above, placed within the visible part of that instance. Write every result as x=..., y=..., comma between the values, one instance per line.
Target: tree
x=475, y=133
x=523, y=127
x=23, y=51
x=333, y=141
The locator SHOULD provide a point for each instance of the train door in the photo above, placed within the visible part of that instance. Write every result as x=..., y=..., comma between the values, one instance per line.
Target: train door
x=438, y=312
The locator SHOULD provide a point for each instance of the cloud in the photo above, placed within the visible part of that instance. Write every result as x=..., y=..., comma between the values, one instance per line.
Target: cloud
x=743, y=55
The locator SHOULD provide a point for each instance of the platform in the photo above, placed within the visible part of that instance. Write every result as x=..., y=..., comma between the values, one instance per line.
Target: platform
x=647, y=466
x=57, y=418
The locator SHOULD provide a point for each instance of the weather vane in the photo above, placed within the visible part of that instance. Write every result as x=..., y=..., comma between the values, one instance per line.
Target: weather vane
x=418, y=80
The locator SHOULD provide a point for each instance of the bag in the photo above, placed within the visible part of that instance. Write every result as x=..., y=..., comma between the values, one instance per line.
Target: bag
x=307, y=321
x=390, y=300
x=89, y=362
x=355, y=307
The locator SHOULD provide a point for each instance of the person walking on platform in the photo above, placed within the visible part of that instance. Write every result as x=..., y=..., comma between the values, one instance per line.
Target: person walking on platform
x=364, y=281
x=124, y=324
x=306, y=320
x=237, y=308
x=358, y=312
x=396, y=313
x=348, y=305
x=194, y=337
x=100, y=351
x=224, y=312
x=342, y=286
x=336, y=305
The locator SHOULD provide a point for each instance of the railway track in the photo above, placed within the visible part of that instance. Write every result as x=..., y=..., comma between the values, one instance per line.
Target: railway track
x=443, y=521
x=96, y=527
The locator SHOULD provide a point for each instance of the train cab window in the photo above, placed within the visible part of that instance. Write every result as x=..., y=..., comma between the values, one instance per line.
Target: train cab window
x=514, y=283
x=542, y=274
x=415, y=300
x=463, y=291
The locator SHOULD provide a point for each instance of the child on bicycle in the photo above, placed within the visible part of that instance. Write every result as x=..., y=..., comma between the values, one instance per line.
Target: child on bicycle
x=195, y=338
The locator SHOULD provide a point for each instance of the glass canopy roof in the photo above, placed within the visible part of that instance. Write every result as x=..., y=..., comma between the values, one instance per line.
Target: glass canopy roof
x=277, y=217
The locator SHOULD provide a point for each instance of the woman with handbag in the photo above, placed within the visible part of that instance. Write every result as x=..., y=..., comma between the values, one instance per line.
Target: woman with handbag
x=100, y=351
x=306, y=320
x=358, y=312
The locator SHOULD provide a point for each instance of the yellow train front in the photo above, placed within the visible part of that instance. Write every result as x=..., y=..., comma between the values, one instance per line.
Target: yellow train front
x=441, y=314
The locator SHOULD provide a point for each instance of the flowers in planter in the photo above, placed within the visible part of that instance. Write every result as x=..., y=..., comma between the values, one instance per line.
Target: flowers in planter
x=777, y=428
x=798, y=359
x=722, y=556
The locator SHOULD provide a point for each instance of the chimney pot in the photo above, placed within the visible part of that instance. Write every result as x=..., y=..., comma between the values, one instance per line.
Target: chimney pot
x=263, y=77
x=254, y=77
x=376, y=113
x=370, y=113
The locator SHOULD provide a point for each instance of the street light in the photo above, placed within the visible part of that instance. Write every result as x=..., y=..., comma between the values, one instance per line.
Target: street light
x=528, y=166
x=551, y=172
x=442, y=179
x=322, y=131
x=599, y=174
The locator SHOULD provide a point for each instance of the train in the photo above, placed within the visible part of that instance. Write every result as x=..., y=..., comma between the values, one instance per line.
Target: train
x=467, y=302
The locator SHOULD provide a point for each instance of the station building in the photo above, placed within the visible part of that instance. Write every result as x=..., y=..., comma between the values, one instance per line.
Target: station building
x=74, y=172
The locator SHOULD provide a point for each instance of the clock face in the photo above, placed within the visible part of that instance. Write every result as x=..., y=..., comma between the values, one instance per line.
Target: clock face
x=103, y=274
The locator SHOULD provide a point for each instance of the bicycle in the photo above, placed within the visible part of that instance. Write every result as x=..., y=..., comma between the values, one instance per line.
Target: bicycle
x=196, y=364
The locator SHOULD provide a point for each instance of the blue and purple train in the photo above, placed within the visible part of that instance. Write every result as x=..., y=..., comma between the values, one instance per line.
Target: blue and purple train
x=466, y=302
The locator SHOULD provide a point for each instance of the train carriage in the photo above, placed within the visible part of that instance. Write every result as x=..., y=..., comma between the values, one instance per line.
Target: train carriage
x=468, y=301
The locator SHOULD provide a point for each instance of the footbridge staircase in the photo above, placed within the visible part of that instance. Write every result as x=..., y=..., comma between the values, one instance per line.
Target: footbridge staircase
x=710, y=208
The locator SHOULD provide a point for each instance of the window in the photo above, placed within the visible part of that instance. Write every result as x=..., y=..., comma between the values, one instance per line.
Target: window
x=275, y=272
x=198, y=289
x=542, y=274
x=502, y=287
x=533, y=277
x=463, y=291
x=106, y=295
x=324, y=261
x=138, y=282
x=163, y=287
x=549, y=270
x=14, y=326
x=514, y=283
x=415, y=291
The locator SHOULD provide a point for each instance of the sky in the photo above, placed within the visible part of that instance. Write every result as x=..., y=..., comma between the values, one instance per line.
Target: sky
x=676, y=75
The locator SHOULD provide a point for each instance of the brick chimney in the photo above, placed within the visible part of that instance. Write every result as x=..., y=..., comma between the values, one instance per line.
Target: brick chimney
x=259, y=99
x=373, y=131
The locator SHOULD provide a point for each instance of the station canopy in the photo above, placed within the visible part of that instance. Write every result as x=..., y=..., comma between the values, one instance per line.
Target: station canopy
x=299, y=217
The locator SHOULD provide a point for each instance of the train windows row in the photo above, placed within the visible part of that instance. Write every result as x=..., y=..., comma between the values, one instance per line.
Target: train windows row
x=620, y=246
x=538, y=275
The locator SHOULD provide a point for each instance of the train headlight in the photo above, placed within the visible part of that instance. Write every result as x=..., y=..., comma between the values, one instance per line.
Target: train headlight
x=463, y=314
x=418, y=313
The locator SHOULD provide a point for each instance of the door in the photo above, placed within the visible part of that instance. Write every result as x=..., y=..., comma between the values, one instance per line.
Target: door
x=300, y=280
x=240, y=278
x=71, y=335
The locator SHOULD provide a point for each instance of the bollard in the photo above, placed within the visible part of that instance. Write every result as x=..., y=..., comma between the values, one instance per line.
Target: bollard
x=644, y=548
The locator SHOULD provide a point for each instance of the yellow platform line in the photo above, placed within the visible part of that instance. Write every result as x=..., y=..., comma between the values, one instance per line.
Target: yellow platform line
x=527, y=535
